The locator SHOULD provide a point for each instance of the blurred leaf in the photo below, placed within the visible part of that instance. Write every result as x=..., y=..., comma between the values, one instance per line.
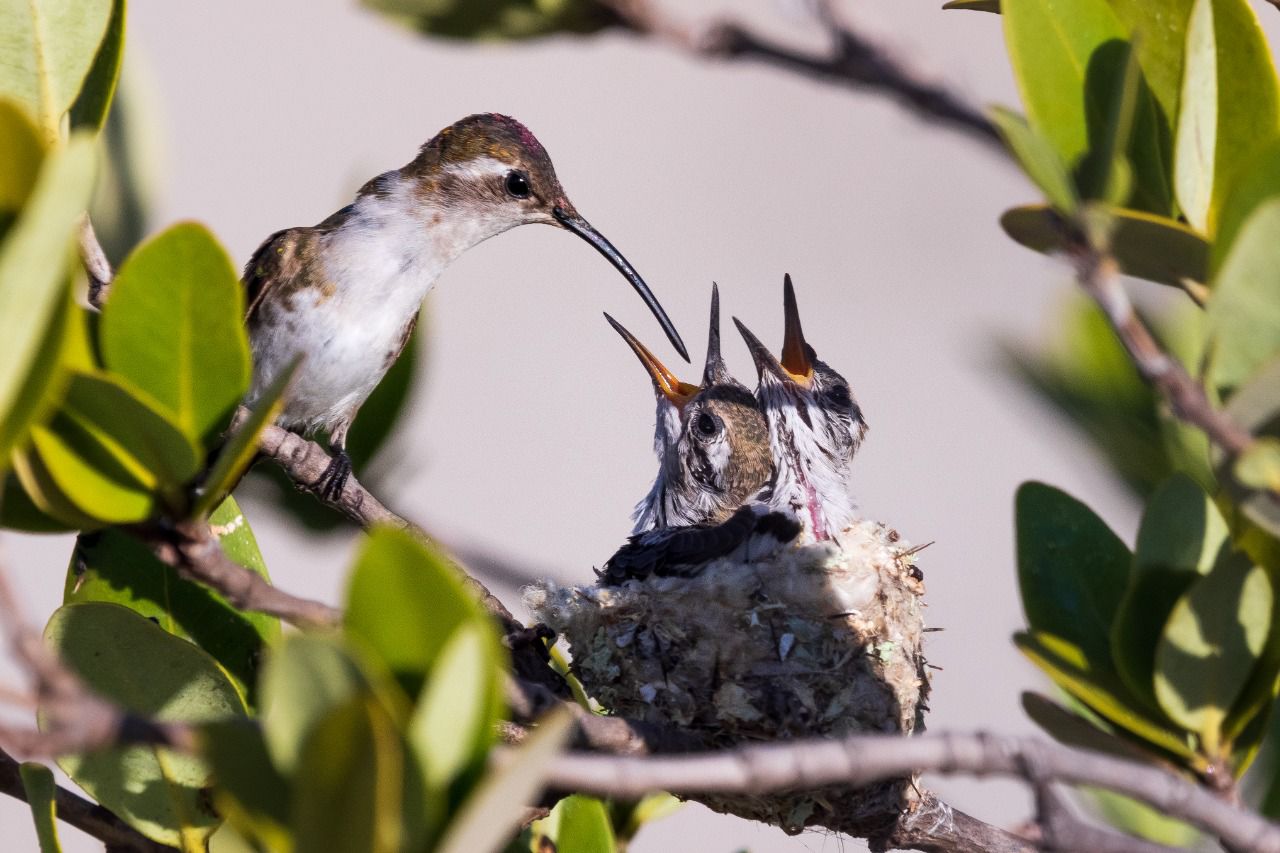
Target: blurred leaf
x=456, y=718
x=90, y=107
x=498, y=19
x=1072, y=570
x=114, y=567
x=1142, y=820
x=133, y=159
x=974, y=5
x=401, y=588
x=1038, y=159
x=1145, y=245
x=1256, y=407
x=1259, y=466
x=1228, y=108
x=354, y=790
x=21, y=150
x=1258, y=182
x=1100, y=689
x=1214, y=636
x=306, y=676
x=1107, y=172
x=646, y=810
x=584, y=826
x=1178, y=541
x=250, y=791
x=17, y=512
x=135, y=663
x=174, y=327
x=492, y=814
x=39, y=787
x=1160, y=27
x=1244, y=311
x=1072, y=729
x=49, y=47
x=240, y=448
x=33, y=270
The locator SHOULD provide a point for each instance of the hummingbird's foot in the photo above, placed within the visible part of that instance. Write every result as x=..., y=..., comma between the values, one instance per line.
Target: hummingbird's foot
x=333, y=479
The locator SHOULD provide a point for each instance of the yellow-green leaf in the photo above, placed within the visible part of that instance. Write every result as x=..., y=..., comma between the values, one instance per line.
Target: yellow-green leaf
x=1038, y=158
x=38, y=785
x=21, y=150
x=91, y=106
x=974, y=5
x=1244, y=310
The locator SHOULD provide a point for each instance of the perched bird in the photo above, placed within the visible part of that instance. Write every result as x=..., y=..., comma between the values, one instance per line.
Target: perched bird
x=710, y=439
x=712, y=444
x=815, y=428
x=345, y=294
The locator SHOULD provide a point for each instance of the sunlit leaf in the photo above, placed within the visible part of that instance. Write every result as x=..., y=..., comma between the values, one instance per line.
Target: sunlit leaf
x=39, y=787
x=90, y=108
x=1244, y=311
x=1073, y=729
x=21, y=150
x=1160, y=27
x=174, y=327
x=1038, y=158
x=1228, y=108
x=132, y=661
x=584, y=825
x=974, y=5
x=1259, y=466
x=69, y=467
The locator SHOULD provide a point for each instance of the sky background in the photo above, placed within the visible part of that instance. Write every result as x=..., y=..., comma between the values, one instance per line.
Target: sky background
x=529, y=434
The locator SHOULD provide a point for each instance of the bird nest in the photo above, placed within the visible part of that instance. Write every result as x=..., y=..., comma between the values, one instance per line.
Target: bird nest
x=819, y=640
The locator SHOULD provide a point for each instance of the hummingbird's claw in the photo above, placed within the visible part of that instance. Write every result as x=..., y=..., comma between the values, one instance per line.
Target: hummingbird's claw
x=329, y=485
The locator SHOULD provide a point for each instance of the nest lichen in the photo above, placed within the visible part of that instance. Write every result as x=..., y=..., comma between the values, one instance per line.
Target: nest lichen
x=820, y=640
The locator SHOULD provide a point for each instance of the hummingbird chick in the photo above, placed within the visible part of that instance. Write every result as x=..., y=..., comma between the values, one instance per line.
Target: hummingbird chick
x=343, y=296
x=712, y=444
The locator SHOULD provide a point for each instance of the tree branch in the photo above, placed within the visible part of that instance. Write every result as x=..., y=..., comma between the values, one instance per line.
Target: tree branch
x=863, y=759
x=95, y=264
x=854, y=61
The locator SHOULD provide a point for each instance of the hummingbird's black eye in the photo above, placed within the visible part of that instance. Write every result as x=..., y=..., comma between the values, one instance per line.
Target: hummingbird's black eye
x=838, y=395
x=517, y=185
x=708, y=425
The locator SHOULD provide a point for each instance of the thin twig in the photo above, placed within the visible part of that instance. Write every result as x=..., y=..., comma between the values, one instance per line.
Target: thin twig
x=1098, y=274
x=96, y=264
x=854, y=61
x=863, y=759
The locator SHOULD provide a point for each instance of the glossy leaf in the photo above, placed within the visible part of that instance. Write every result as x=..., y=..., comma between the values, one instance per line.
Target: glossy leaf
x=71, y=468
x=1145, y=245
x=18, y=512
x=1244, y=311
x=1213, y=638
x=132, y=661
x=240, y=448
x=493, y=812
x=584, y=826
x=39, y=787
x=90, y=108
x=1038, y=159
x=1178, y=542
x=1101, y=689
x=34, y=260
x=354, y=790
x=174, y=327
x=21, y=150
x=114, y=567
x=974, y=5
x=49, y=47
x=401, y=588
x=1074, y=729
x=1229, y=109
x=1160, y=27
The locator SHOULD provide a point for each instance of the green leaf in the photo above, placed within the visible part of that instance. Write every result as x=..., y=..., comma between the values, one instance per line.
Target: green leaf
x=306, y=677
x=1256, y=406
x=49, y=47
x=1259, y=466
x=1101, y=690
x=1229, y=106
x=492, y=813
x=1081, y=730
x=1160, y=30
x=355, y=789
x=455, y=720
x=974, y=5
x=1178, y=542
x=133, y=662
x=584, y=826
x=250, y=792
x=114, y=567
x=1244, y=311
x=21, y=150
x=1072, y=570
x=241, y=446
x=18, y=512
x=174, y=327
x=1215, y=635
x=39, y=787
x=90, y=108
x=33, y=270
x=1145, y=245
x=1038, y=158
x=77, y=480
x=401, y=588
x=1137, y=818
x=1258, y=182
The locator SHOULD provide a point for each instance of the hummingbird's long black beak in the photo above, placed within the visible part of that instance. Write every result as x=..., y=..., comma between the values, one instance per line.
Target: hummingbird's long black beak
x=677, y=392
x=714, y=372
x=797, y=355
x=575, y=223
x=766, y=364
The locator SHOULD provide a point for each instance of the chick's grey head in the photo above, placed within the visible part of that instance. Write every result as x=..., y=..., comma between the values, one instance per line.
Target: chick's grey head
x=711, y=440
x=815, y=426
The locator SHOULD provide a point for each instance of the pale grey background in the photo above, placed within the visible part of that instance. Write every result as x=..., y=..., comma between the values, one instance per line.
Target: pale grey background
x=530, y=434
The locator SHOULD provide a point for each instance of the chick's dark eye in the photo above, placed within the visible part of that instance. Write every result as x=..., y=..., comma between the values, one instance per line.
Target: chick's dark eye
x=707, y=425
x=838, y=395
x=517, y=185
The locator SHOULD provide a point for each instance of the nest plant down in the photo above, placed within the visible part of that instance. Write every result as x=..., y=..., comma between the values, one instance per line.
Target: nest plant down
x=815, y=640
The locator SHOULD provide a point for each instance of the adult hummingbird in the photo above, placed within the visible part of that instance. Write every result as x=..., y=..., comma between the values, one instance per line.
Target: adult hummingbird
x=815, y=427
x=712, y=444
x=345, y=294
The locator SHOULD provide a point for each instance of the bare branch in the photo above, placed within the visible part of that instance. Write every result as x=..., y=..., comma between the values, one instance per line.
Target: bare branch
x=854, y=61
x=95, y=263
x=863, y=759
x=1062, y=830
x=1098, y=273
